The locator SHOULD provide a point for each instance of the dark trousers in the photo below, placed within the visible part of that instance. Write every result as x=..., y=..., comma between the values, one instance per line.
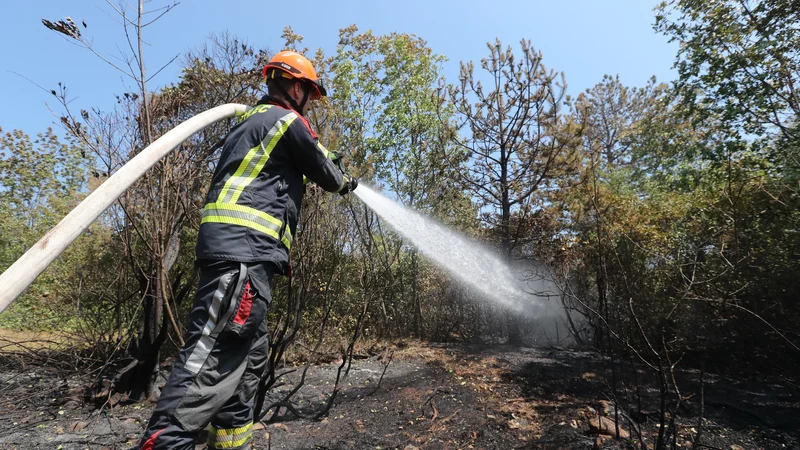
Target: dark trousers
x=216, y=374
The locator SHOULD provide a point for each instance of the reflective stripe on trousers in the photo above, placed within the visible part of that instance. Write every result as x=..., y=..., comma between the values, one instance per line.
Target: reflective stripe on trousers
x=229, y=437
x=216, y=374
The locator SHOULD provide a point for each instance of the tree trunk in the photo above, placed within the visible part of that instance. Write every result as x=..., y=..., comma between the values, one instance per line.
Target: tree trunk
x=137, y=379
x=513, y=323
x=415, y=294
x=602, y=300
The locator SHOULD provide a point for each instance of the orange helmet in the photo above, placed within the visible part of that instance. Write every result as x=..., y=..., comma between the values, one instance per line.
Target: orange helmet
x=294, y=65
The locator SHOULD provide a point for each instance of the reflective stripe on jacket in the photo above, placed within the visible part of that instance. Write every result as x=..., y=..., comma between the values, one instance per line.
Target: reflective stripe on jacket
x=253, y=204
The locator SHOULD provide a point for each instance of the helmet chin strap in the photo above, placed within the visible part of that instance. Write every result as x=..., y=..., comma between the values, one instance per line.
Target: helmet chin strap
x=290, y=99
x=303, y=103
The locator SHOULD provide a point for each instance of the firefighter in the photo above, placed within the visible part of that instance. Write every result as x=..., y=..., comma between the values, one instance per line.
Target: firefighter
x=248, y=223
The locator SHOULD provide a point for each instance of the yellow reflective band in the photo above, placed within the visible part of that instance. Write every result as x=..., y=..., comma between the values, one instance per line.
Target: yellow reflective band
x=225, y=194
x=233, y=214
x=328, y=155
x=244, y=211
x=254, y=161
x=274, y=137
x=324, y=150
x=287, y=237
x=241, y=222
x=232, y=444
x=243, y=216
x=221, y=432
x=341, y=185
x=230, y=438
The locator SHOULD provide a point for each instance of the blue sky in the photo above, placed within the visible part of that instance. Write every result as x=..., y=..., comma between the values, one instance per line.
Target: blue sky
x=583, y=38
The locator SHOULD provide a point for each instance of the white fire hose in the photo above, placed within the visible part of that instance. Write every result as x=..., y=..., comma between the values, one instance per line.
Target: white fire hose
x=22, y=273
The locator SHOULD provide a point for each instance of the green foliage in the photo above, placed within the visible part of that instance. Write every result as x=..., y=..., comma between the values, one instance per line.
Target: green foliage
x=37, y=178
x=738, y=79
x=676, y=230
x=739, y=63
x=33, y=172
x=669, y=212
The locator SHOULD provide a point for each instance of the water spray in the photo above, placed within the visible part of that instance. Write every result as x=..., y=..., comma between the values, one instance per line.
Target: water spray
x=474, y=265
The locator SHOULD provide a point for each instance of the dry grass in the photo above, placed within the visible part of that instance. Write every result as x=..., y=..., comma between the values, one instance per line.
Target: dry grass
x=13, y=341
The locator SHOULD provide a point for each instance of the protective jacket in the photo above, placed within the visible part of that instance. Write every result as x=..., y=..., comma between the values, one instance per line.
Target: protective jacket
x=253, y=203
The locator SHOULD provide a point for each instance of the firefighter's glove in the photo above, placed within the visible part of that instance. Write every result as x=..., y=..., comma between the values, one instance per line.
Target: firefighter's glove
x=337, y=159
x=350, y=184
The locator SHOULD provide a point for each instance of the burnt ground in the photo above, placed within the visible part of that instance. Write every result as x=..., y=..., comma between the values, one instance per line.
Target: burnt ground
x=431, y=397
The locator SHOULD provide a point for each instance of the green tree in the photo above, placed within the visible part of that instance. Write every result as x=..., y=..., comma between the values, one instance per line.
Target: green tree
x=739, y=61
x=738, y=71
x=36, y=177
x=409, y=130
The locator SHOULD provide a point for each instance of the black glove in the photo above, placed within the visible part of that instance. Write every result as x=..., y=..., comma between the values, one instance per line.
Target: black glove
x=350, y=184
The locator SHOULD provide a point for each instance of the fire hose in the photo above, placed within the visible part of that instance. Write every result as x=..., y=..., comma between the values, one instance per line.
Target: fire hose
x=25, y=269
